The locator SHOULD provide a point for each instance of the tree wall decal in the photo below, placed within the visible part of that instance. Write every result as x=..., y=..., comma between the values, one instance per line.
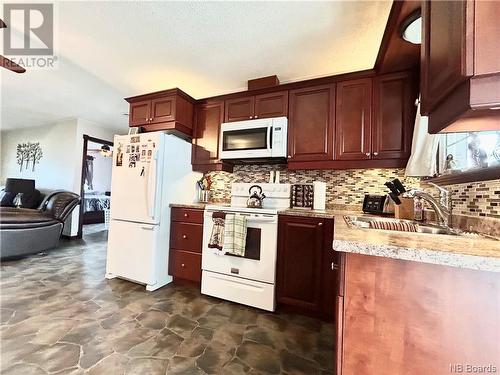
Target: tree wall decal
x=28, y=152
x=35, y=154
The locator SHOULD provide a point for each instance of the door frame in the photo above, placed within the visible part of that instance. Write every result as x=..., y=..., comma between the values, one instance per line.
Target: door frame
x=86, y=139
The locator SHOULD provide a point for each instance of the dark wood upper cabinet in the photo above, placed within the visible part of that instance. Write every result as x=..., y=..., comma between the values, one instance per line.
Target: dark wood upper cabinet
x=445, y=38
x=305, y=280
x=310, y=123
x=354, y=120
x=205, y=154
x=171, y=110
x=239, y=109
x=140, y=113
x=460, y=68
x=274, y=104
x=394, y=115
x=163, y=109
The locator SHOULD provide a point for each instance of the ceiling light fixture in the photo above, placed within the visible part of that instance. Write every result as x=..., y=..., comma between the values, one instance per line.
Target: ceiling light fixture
x=106, y=151
x=411, y=28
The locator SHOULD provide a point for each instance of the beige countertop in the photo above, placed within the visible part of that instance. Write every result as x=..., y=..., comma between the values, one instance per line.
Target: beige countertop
x=474, y=252
x=465, y=251
x=188, y=205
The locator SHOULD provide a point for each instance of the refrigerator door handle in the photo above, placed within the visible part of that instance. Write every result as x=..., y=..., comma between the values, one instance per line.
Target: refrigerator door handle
x=151, y=185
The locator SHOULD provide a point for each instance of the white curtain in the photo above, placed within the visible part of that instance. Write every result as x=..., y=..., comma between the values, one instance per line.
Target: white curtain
x=422, y=162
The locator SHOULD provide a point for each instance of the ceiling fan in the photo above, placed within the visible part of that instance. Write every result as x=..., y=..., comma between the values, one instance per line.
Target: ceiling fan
x=9, y=64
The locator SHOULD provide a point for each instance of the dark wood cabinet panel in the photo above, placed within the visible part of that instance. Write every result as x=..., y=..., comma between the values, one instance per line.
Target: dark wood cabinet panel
x=444, y=59
x=239, y=109
x=271, y=105
x=186, y=236
x=486, y=41
x=140, y=113
x=206, y=132
x=394, y=116
x=187, y=215
x=185, y=265
x=310, y=126
x=444, y=65
x=163, y=109
x=460, y=68
x=353, y=120
x=407, y=317
x=305, y=280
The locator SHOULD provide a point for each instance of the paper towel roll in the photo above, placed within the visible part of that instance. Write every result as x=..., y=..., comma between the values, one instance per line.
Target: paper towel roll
x=319, y=202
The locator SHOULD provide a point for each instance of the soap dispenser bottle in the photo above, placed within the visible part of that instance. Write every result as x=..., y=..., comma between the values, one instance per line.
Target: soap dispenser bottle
x=418, y=209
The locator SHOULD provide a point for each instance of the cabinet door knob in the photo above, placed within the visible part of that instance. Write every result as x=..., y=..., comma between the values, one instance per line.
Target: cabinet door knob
x=289, y=156
x=375, y=153
x=186, y=215
x=251, y=116
x=183, y=265
x=367, y=154
x=184, y=236
x=255, y=116
x=334, y=266
x=320, y=224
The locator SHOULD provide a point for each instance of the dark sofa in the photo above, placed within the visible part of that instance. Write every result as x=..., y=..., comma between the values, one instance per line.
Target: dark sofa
x=26, y=231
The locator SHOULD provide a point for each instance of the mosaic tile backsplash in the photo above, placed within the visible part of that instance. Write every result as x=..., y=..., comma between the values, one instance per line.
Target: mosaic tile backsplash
x=348, y=187
x=477, y=198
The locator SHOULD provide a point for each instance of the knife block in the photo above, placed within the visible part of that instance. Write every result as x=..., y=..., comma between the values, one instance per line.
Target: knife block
x=405, y=209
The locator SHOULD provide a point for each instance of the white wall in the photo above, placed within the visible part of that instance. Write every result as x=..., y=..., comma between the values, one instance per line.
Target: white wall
x=61, y=164
x=56, y=167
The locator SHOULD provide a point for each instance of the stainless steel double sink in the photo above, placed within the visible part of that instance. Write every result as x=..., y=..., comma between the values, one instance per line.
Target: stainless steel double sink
x=370, y=222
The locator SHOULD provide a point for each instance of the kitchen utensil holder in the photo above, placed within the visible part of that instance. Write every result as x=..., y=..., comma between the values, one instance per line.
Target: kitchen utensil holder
x=204, y=196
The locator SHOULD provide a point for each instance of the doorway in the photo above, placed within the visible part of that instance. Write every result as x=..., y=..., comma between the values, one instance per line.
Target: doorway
x=95, y=187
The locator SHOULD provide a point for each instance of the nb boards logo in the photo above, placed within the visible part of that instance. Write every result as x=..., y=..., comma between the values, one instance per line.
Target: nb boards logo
x=28, y=38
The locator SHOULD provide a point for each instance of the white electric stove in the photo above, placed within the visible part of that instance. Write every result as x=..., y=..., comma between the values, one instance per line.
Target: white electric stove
x=250, y=279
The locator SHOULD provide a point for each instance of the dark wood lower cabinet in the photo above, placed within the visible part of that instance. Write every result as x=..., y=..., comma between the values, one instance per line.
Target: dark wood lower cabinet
x=185, y=265
x=186, y=237
x=409, y=318
x=305, y=281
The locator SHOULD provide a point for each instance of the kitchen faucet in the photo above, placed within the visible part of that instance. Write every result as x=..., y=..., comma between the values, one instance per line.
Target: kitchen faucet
x=442, y=208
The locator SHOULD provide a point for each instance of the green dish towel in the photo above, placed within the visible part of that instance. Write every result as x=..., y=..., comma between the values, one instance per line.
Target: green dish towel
x=235, y=234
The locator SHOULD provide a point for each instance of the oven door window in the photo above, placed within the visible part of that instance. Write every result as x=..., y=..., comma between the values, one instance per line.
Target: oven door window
x=244, y=139
x=253, y=245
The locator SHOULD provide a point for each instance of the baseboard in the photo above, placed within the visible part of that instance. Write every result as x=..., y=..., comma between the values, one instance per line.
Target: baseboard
x=66, y=237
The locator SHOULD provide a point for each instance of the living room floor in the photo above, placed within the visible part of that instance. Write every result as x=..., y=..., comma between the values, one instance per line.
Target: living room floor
x=60, y=315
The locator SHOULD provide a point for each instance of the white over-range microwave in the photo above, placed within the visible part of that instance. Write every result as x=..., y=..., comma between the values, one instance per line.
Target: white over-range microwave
x=262, y=138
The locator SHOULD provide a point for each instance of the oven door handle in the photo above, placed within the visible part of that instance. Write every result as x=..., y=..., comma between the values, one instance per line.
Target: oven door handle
x=259, y=219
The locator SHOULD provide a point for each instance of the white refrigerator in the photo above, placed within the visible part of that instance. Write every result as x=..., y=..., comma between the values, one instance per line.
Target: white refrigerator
x=150, y=171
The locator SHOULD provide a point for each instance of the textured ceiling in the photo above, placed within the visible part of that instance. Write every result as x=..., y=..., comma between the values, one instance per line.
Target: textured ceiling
x=111, y=50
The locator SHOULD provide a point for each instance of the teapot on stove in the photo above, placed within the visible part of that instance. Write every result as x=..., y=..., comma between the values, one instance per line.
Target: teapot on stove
x=256, y=197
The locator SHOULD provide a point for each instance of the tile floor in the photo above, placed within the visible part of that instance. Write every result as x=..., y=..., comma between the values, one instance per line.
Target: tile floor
x=60, y=316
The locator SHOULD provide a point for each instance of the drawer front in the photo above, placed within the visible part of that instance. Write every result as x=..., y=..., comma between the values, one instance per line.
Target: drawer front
x=185, y=265
x=187, y=215
x=186, y=236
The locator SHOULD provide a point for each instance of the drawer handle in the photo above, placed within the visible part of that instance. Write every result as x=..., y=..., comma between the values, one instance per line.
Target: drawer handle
x=184, y=236
x=186, y=215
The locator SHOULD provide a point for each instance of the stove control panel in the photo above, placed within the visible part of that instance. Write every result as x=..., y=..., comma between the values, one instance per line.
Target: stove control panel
x=277, y=195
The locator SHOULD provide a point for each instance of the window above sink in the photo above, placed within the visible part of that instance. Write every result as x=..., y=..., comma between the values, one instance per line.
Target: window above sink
x=468, y=157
